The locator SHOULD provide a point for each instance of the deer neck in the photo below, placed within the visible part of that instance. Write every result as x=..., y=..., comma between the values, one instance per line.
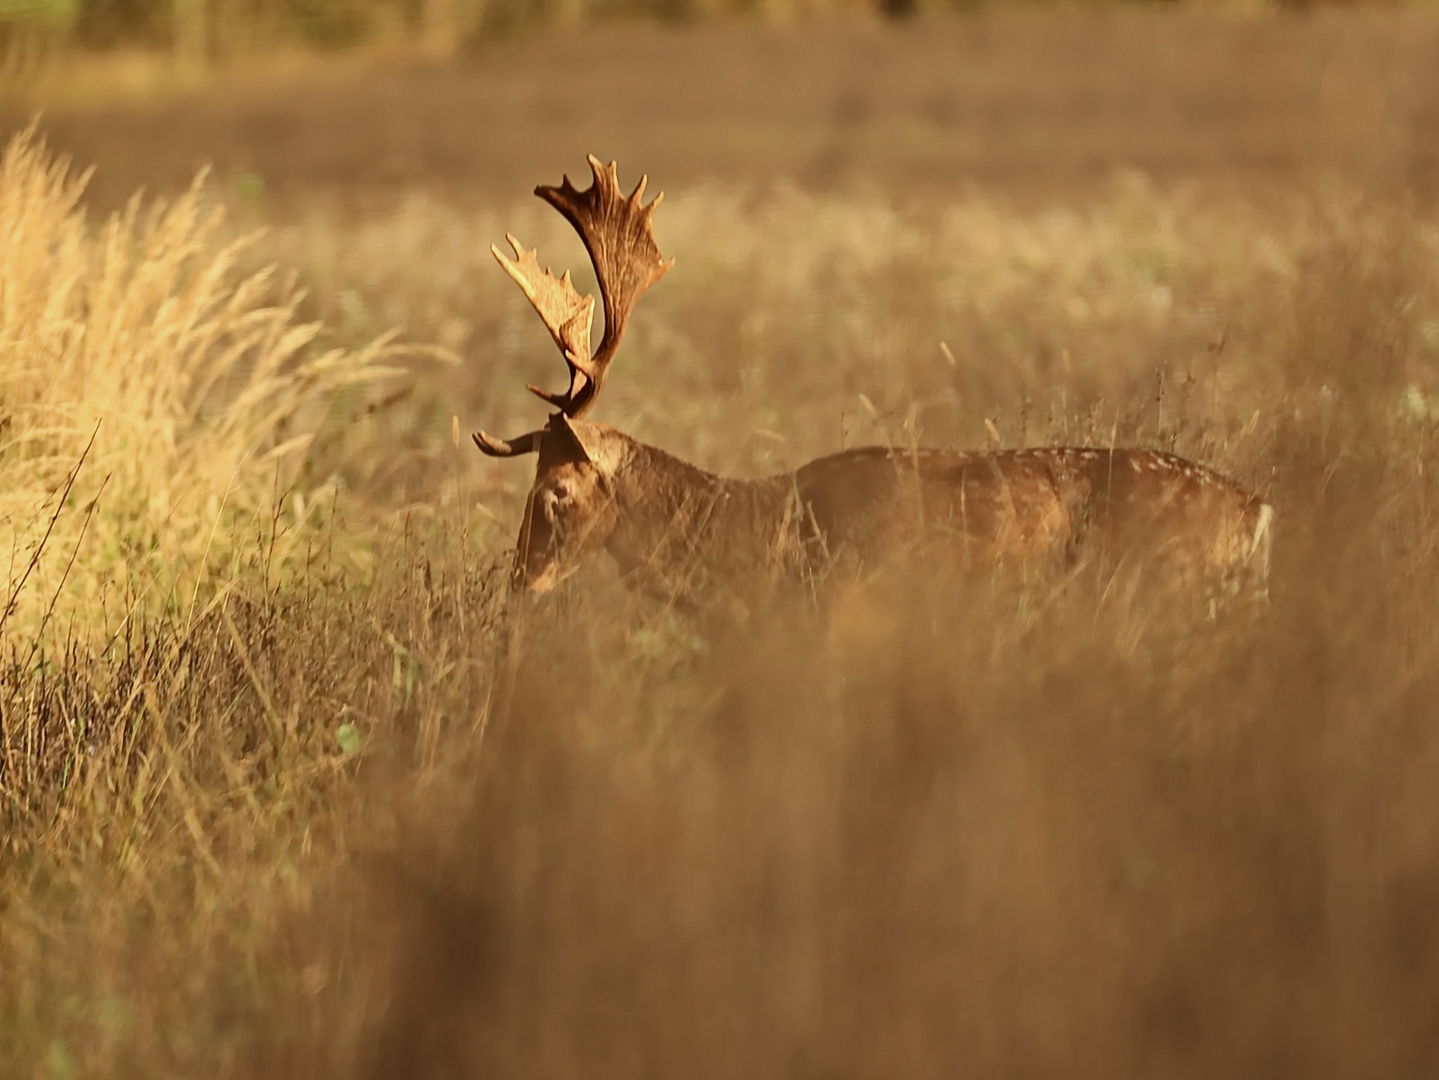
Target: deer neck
x=678, y=523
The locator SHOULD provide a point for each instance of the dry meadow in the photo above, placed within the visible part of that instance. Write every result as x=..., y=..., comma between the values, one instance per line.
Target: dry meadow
x=291, y=786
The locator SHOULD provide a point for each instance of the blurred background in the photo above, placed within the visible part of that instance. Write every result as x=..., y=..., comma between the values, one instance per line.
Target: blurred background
x=291, y=786
x=916, y=100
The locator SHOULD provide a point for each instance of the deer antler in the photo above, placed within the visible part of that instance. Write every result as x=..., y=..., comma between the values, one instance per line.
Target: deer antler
x=566, y=314
x=528, y=443
x=618, y=234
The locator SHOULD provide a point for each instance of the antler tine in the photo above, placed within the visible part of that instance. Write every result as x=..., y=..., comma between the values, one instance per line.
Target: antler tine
x=566, y=313
x=528, y=443
x=618, y=234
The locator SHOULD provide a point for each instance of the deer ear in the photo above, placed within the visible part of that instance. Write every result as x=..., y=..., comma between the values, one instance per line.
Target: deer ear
x=603, y=447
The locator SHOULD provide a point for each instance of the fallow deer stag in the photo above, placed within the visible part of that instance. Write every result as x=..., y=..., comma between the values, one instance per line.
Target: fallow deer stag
x=673, y=526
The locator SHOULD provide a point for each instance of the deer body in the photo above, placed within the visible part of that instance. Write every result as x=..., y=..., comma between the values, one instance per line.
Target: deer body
x=683, y=531
x=1047, y=506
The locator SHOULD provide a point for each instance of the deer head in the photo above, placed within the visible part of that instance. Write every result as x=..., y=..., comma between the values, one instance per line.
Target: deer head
x=571, y=508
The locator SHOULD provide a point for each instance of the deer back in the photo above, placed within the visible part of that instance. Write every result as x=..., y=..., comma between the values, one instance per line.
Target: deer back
x=1021, y=508
x=867, y=505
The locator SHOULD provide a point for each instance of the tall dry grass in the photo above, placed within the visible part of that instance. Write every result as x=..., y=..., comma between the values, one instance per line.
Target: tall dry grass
x=168, y=396
x=344, y=823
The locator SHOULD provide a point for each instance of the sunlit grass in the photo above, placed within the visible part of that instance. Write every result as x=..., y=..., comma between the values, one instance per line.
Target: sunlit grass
x=303, y=814
x=195, y=386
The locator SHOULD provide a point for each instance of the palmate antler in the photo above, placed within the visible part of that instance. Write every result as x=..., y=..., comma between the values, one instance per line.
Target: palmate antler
x=618, y=234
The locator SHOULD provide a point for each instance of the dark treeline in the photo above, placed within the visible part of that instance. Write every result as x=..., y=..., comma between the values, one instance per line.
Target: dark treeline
x=201, y=30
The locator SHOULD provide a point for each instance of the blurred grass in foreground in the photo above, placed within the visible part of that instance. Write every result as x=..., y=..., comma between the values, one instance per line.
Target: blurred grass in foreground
x=385, y=820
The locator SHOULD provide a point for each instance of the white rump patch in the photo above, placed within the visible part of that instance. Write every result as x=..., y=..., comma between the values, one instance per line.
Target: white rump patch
x=1258, y=557
x=1261, y=529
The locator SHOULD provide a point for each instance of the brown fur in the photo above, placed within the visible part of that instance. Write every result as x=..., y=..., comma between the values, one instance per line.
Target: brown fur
x=684, y=532
x=687, y=533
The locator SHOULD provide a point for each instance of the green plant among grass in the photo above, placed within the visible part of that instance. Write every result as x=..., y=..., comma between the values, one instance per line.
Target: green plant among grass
x=202, y=390
x=301, y=817
x=57, y=14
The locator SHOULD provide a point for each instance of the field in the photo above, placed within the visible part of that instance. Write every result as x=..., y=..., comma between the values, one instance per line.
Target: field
x=290, y=785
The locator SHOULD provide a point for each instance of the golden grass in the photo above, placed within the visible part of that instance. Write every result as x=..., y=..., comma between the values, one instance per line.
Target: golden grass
x=201, y=390
x=393, y=822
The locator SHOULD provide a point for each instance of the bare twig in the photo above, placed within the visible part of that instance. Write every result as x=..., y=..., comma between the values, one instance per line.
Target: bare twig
x=44, y=540
x=49, y=611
